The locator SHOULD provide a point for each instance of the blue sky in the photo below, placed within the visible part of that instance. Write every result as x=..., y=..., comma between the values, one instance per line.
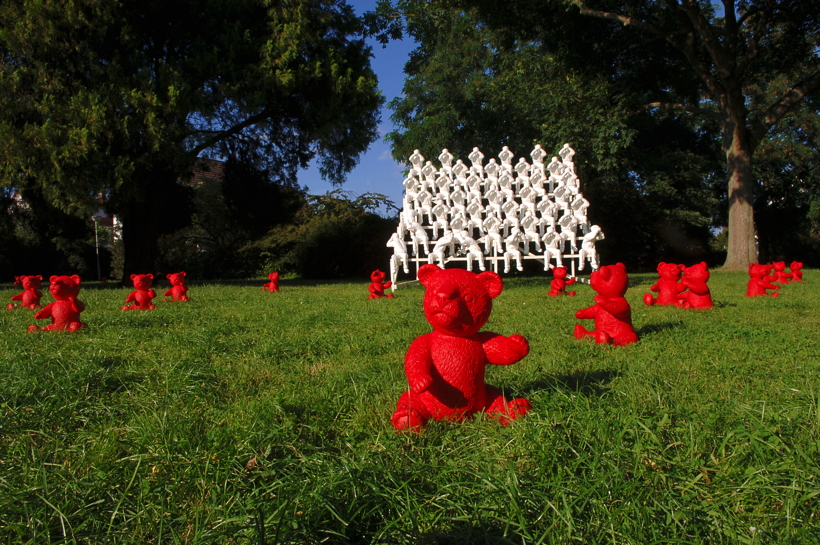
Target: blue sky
x=376, y=172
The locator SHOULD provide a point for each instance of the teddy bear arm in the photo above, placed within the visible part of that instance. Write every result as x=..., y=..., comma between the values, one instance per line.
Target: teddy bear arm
x=698, y=288
x=387, y=284
x=588, y=313
x=570, y=281
x=152, y=293
x=501, y=350
x=44, y=313
x=655, y=287
x=18, y=297
x=417, y=365
x=170, y=292
x=131, y=297
x=614, y=306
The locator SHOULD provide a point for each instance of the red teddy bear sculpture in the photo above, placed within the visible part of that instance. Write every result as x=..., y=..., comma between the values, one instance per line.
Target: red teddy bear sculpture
x=273, y=285
x=796, y=269
x=30, y=298
x=668, y=285
x=178, y=291
x=780, y=275
x=378, y=285
x=560, y=282
x=760, y=281
x=698, y=296
x=142, y=294
x=445, y=368
x=611, y=311
x=65, y=311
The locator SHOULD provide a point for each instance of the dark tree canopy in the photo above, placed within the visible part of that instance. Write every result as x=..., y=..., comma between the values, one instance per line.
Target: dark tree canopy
x=119, y=98
x=724, y=74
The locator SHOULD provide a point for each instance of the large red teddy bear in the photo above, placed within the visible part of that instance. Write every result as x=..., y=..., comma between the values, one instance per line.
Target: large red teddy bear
x=780, y=275
x=698, y=296
x=178, y=291
x=611, y=311
x=560, y=282
x=668, y=285
x=30, y=298
x=273, y=285
x=445, y=368
x=760, y=281
x=65, y=311
x=797, y=274
x=378, y=285
x=142, y=294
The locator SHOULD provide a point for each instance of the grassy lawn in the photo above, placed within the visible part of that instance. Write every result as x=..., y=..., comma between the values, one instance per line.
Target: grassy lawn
x=262, y=418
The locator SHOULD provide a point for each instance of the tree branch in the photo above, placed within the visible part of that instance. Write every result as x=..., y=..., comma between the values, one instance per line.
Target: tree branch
x=780, y=108
x=236, y=129
x=679, y=106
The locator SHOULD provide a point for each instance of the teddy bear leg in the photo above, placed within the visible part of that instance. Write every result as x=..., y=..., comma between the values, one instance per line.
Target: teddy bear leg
x=625, y=338
x=581, y=332
x=648, y=299
x=571, y=294
x=409, y=415
x=502, y=410
x=10, y=306
x=152, y=307
x=602, y=337
x=74, y=326
x=33, y=328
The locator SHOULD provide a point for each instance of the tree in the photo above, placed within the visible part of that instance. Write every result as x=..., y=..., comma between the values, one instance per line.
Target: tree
x=120, y=98
x=471, y=83
x=720, y=53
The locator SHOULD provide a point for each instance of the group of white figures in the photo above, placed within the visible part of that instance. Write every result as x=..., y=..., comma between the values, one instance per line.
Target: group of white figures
x=517, y=211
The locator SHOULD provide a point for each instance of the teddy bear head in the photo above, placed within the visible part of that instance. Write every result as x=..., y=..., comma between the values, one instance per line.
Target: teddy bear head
x=610, y=280
x=142, y=281
x=458, y=302
x=779, y=266
x=759, y=270
x=795, y=265
x=377, y=276
x=670, y=271
x=30, y=282
x=273, y=277
x=176, y=279
x=64, y=287
x=698, y=273
x=559, y=272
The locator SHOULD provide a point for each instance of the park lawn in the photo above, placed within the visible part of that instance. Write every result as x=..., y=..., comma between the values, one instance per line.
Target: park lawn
x=251, y=417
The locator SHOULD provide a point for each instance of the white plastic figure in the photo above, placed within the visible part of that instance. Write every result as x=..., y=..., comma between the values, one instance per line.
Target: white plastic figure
x=492, y=238
x=538, y=155
x=505, y=183
x=548, y=210
x=411, y=187
x=429, y=173
x=492, y=169
x=553, y=248
x=472, y=251
x=460, y=169
x=446, y=241
x=477, y=159
x=510, y=209
x=512, y=249
x=588, y=251
x=474, y=187
x=444, y=184
x=567, y=153
x=569, y=226
x=494, y=201
x=459, y=199
x=446, y=160
x=417, y=162
x=556, y=170
x=530, y=225
x=418, y=235
x=474, y=209
x=537, y=182
x=523, y=168
x=506, y=157
x=424, y=203
x=399, y=256
x=441, y=211
x=579, y=209
x=528, y=196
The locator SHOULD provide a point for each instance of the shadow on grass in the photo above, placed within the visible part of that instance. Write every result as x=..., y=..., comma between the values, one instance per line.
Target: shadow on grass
x=656, y=328
x=588, y=383
x=470, y=533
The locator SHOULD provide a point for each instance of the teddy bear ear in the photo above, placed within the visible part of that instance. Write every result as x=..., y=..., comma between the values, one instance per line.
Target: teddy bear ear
x=183, y=273
x=53, y=278
x=426, y=273
x=76, y=279
x=621, y=266
x=133, y=276
x=492, y=283
x=605, y=273
x=168, y=276
x=151, y=276
x=38, y=277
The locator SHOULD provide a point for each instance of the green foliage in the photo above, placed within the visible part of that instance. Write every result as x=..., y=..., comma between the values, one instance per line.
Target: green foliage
x=122, y=97
x=250, y=417
x=333, y=236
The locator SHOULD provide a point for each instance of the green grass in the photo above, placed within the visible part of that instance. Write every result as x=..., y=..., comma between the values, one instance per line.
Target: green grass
x=259, y=418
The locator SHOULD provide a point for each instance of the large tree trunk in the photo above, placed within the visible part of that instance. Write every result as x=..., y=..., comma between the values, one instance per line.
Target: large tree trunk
x=157, y=205
x=742, y=248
